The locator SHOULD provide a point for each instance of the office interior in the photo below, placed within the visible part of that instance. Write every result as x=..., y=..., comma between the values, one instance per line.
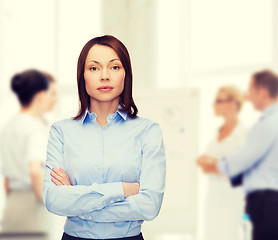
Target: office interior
x=182, y=51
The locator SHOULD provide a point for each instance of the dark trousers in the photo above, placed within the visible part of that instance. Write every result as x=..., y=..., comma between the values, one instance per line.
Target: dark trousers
x=262, y=207
x=68, y=237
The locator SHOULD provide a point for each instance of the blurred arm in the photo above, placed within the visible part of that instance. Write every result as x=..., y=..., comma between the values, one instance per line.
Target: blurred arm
x=259, y=142
x=36, y=174
x=7, y=186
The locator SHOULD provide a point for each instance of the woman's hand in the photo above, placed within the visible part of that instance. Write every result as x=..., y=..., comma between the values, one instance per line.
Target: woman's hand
x=7, y=186
x=200, y=160
x=130, y=189
x=208, y=164
x=60, y=177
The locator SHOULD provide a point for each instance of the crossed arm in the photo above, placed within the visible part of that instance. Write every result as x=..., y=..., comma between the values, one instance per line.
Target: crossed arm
x=107, y=202
x=60, y=177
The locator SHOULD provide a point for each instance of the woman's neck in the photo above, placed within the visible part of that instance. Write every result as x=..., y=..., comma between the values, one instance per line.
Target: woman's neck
x=103, y=109
x=230, y=122
x=228, y=127
x=31, y=110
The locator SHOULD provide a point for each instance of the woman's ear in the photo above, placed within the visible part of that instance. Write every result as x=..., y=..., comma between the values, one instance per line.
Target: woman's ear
x=234, y=106
x=40, y=97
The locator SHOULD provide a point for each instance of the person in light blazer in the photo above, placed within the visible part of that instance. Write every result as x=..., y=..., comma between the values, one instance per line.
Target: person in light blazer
x=255, y=165
x=23, y=142
x=105, y=168
x=223, y=205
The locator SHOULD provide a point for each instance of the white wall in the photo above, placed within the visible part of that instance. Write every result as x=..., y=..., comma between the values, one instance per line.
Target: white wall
x=206, y=44
x=47, y=35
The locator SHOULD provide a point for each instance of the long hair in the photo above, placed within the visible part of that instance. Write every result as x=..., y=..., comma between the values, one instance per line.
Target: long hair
x=126, y=99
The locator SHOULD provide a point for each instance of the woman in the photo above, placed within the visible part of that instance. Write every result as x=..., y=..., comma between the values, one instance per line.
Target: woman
x=52, y=98
x=52, y=92
x=106, y=166
x=23, y=147
x=223, y=204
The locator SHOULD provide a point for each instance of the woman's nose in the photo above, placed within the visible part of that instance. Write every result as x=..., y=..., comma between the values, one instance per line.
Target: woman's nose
x=105, y=75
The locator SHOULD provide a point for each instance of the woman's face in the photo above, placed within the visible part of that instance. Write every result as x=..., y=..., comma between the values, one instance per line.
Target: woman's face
x=51, y=97
x=223, y=105
x=104, y=74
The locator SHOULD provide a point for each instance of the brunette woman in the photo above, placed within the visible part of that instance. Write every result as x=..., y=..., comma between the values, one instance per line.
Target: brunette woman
x=106, y=166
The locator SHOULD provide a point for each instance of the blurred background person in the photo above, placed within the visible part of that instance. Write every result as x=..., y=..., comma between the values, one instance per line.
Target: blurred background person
x=256, y=163
x=23, y=151
x=52, y=98
x=223, y=205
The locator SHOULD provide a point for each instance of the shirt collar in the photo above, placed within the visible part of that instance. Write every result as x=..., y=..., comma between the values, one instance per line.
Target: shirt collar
x=269, y=110
x=88, y=115
x=122, y=114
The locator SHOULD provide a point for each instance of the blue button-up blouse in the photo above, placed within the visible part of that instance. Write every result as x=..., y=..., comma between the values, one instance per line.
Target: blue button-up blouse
x=98, y=160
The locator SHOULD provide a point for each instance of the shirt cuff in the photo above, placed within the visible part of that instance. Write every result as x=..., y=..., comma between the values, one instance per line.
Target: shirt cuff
x=223, y=166
x=113, y=192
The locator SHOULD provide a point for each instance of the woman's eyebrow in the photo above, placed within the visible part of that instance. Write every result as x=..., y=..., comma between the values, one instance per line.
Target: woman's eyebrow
x=115, y=59
x=93, y=61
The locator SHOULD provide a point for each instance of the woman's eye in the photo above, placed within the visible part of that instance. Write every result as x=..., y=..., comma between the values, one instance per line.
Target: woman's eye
x=93, y=68
x=115, y=67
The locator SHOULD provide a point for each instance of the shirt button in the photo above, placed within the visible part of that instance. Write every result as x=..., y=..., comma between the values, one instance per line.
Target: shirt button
x=90, y=218
x=110, y=117
x=83, y=217
x=118, y=199
x=111, y=201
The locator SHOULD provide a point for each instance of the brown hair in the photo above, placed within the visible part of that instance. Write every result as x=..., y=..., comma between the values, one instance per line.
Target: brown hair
x=27, y=84
x=268, y=80
x=50, y=77
x=126, y=99
x=234, y=94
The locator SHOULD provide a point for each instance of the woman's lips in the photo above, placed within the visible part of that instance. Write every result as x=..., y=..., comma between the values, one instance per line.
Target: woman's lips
x=105, y=88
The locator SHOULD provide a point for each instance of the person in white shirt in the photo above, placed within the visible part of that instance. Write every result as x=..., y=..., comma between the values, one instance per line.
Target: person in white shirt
x=224, y=206
x=51, y=100
x=23, y=143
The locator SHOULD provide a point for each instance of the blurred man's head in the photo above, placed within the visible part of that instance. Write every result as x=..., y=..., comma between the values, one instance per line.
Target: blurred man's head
x=263, y=89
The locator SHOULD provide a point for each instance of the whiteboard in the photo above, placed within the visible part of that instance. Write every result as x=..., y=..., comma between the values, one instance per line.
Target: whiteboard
x=176, y=111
